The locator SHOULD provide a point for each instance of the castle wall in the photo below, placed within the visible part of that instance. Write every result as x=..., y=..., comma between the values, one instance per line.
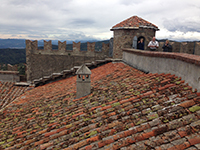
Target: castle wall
x=124, y=39
x=12, y=76
x=44, y=62
x=175, y=47
x=183, y=47
x=197, y=48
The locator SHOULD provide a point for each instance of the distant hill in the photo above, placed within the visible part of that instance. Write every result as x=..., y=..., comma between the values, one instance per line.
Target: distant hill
x=12, y=56
x=21, y=43
x=98, y=46
x=12, y=43
x=15, y=52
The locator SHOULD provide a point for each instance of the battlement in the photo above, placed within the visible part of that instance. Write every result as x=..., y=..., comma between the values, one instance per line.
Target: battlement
x=46, y=61
x=32, y=48
x=183, y=47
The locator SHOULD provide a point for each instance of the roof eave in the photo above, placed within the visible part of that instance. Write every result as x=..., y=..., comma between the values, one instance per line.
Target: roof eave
x=134, y=28
x=124, y=28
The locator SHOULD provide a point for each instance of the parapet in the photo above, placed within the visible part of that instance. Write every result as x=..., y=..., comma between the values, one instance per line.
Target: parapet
x=183, y=47
x=186, y=66
x=32, y=48
x=11, y=76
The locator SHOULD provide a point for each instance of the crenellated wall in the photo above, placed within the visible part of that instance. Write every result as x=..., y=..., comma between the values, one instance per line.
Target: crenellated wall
x=44, y=62
x=197, y=48
x=32, y=47
x=183, y=47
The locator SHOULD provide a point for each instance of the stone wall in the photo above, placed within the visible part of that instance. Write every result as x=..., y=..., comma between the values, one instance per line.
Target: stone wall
x=12, y=76
x=197, y=48
x=44, y=62
x=124, y=39
x=186, y=66
x=12, y=68
x=183, y=47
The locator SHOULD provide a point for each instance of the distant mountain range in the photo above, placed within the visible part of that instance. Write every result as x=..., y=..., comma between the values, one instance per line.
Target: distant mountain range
x=12, y=51
x=20, y=43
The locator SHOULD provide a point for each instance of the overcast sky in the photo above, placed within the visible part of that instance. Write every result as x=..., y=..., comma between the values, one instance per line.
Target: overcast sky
x=88, y=19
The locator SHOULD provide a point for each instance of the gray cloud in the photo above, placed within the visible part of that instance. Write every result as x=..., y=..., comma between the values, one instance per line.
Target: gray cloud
x=93, y=19
x=79, y=22
x=76, y=36
x=131, y=2
x=183, y=25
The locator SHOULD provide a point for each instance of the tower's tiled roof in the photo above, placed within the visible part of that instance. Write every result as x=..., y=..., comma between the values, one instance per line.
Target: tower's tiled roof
x=127, y=109
x=134, y=22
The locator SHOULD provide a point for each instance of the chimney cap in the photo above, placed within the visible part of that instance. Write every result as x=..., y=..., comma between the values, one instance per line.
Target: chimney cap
x=84, y=70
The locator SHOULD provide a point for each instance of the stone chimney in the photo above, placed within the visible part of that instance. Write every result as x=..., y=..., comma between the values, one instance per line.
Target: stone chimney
x=83, y=82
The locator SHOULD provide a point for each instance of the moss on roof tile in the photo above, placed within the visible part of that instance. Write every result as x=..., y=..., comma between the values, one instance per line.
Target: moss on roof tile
x=126, y=106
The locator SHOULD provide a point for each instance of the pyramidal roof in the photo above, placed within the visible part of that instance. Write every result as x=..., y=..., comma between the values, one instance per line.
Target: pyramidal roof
x=83, y=70
x=134, y=22
x=127, y=109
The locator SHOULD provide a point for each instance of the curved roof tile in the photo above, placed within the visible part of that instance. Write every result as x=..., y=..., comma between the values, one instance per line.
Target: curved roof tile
x=127, y=109
x=134, y=22
x=8, y=92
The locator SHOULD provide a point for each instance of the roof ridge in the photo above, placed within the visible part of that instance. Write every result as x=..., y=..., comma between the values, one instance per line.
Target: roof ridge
x=134, y=22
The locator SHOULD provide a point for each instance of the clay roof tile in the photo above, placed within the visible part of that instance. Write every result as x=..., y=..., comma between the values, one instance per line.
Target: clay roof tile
x=126, y=109
x=134, y=22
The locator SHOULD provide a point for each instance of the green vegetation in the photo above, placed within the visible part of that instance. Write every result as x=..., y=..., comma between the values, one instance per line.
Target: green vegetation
x=1, y=143
x=115, y=104
x=12, y=56
x=22, y=69
x=103, y=105
x=194, y=108
x=92, y=133
x=69, y=126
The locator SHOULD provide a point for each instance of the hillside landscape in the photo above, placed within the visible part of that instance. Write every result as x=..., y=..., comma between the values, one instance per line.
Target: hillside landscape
x=12, y=51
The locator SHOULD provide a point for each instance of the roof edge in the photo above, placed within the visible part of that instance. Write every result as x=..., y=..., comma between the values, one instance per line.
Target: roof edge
x=133, y=28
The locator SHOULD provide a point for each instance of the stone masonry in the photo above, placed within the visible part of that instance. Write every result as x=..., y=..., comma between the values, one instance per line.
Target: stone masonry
x=44, y=62
x=129, y=29
x=183, y=47
x=124, y=39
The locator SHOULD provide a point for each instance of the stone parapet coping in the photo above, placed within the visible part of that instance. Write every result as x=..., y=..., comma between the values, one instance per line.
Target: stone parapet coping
x=189, y=58
x=9, y=72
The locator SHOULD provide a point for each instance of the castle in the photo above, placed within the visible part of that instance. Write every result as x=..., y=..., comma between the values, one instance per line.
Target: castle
x=46, y=63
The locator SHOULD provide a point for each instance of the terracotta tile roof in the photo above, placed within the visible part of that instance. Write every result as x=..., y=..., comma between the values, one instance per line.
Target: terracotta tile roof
x=127, y=109
x=8, y=92
x=134, y=22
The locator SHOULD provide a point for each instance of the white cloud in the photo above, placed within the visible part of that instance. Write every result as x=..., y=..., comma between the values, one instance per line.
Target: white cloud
x=41, y=19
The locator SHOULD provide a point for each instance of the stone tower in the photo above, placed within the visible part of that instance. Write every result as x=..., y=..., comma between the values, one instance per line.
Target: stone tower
x=83, y=82
x=129, y=31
